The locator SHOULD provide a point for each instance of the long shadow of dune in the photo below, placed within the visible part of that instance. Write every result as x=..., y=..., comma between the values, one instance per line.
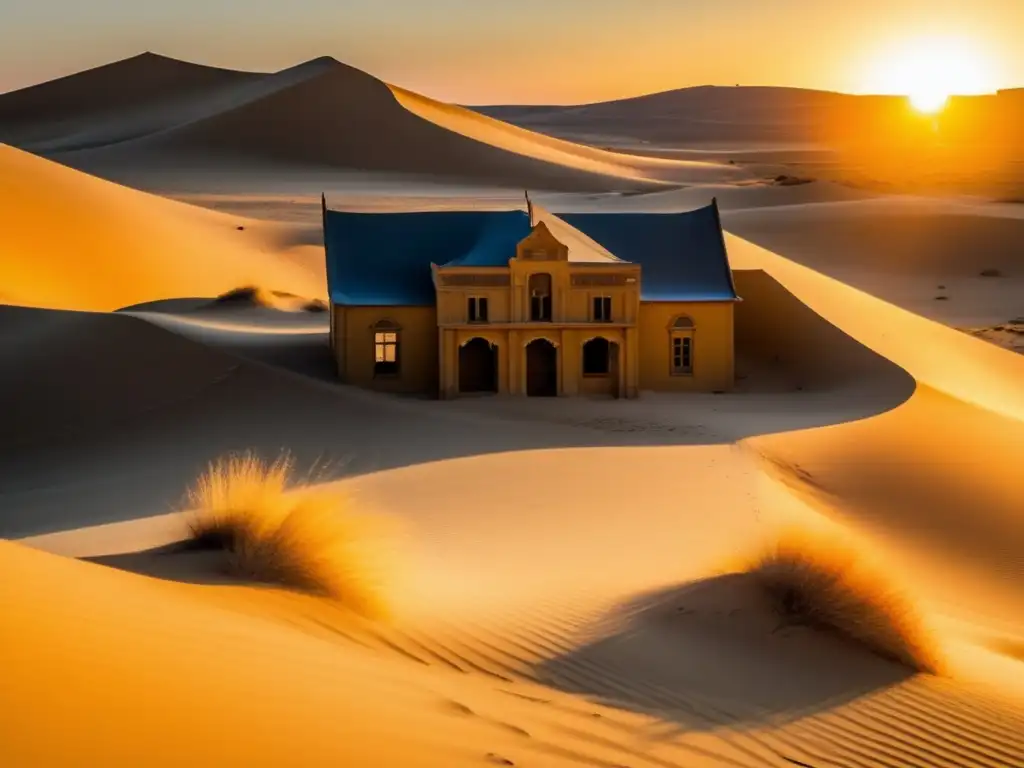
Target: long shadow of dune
x=114, y=416
x=712, y=654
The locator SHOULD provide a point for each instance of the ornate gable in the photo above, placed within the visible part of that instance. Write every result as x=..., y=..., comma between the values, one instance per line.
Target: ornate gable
x=541, y=245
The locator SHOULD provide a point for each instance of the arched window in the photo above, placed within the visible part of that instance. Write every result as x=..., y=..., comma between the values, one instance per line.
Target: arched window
x=683, y=322
x=540, y=297
x=597, y=357
x=385, y=348
x=681, y=348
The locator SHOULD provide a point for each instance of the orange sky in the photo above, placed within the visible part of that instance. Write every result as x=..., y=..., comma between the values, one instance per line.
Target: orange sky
x=540, y=51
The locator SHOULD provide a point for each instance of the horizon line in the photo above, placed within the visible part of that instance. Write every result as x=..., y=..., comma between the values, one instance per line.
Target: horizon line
x=978, y=94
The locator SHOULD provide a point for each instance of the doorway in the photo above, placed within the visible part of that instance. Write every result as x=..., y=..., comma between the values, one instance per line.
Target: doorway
x=600, y=368
x=478, y=367
x=541, y=369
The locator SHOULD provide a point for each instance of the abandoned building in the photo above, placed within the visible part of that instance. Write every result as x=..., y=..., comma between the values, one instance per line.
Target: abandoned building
x=526, y=302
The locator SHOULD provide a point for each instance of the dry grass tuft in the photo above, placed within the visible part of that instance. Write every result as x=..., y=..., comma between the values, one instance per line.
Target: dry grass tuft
x=307, y=538
x=249, y=295
x=817, y=580
x=315, y=305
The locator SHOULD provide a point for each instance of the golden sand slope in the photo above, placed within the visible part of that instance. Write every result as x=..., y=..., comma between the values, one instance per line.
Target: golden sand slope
x=76, y=242
x=528, y=143
x=556, y=621
x=133, y=671
x=937, y=475
x=583, y=588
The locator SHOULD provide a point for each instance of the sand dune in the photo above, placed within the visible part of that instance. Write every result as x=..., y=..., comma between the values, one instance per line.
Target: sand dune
x=753, y=117
x=908, y=251
x=714, y=114
x=337, y=117
x=53, y=113
x=76, y=242
x=558, y=599
x=894, y=474
x=611, y=652
x=575, y=618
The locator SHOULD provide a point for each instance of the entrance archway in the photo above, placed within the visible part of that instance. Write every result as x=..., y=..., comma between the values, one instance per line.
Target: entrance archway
x=600, y=365
x=478, y=366
x=541, y=369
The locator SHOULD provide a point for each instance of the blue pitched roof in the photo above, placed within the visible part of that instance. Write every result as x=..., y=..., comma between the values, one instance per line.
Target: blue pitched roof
x=383, y=259
x=682, y=256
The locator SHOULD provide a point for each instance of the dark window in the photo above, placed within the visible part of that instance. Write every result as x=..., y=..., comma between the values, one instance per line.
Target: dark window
x=596, y=357
x=540, y=308
x=477, y=310
x=540, y=297
x=602, y=309
x=682, y=355
x=385, y=353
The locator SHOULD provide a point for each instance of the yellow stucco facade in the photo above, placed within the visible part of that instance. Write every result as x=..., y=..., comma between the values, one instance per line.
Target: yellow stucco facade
x=543, y=325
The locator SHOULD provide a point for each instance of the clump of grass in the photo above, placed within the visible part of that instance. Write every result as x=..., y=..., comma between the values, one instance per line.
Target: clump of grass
x=305, y=538
x=315, y=305
x=252, y=295
x=784, y=180
x=820, y=581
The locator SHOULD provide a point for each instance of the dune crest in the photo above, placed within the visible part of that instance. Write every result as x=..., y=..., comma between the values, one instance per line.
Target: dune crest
x=72, y=241
x=170, y=113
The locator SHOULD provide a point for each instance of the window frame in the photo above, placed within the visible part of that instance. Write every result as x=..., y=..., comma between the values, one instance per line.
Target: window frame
x=604, y=301
x=477, y=309
x=682, y=333
x=381, y=343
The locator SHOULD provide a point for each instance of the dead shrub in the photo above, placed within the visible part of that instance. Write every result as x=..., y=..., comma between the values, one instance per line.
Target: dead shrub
x=819, y=581
x=307, y=538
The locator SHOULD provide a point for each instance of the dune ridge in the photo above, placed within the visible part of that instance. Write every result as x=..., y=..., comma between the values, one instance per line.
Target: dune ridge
x=48, y=111
x=337, y=117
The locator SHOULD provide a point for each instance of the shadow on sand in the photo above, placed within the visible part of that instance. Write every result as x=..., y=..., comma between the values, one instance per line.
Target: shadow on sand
x=116, y=416
x=181, y=561
x=690, y=654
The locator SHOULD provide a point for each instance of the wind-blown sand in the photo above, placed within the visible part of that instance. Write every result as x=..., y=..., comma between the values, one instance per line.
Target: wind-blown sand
x=556, y=596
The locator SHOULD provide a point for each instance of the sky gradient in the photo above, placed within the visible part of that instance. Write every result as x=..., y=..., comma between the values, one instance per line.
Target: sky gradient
x=526, y=51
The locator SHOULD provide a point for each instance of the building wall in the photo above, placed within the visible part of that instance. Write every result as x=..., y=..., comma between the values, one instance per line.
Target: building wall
x=511, y=357
x=417, y=352
x=572, y=302
x=713, y=352
x=644, y=355
x=453, y=304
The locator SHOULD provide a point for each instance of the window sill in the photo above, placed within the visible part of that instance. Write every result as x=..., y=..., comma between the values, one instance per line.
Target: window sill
x=682, y=374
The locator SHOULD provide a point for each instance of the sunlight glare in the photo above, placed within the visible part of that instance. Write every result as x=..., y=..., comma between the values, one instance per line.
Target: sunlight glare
x=929, y=70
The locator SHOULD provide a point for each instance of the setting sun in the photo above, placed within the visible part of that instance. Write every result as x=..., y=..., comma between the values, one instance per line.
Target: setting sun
x=929, y=70
x=928, y=100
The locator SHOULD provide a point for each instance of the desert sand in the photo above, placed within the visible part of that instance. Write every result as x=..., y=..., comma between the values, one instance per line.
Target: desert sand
x=556, y=572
